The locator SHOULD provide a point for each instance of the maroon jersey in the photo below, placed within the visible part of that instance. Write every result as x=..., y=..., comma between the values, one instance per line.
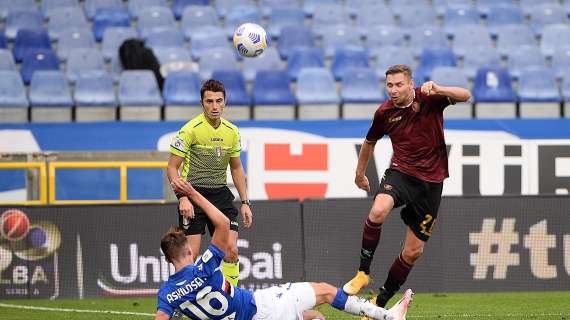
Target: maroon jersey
x=417, y=137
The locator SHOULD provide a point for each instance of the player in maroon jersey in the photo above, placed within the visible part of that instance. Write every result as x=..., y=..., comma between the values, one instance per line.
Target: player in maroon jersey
x=413, y=119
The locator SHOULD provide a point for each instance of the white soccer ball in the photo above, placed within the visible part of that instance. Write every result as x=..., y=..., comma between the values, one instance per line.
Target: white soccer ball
x=250, y=40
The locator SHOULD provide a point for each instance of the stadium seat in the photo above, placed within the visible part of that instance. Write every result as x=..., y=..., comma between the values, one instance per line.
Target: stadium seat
x=384, y=35
x=181, y=95
x=441, y=6
x=13, y=101
x=50, y=7
x=538, y=93
x=238, y=100
x=65, y=18
x=268, y=60
x=7, y=61
x=400, y=7
x=484, y=6
x=139, y=96
x=116, y=68
x=545, y=14
x=165, y=37
x=389, y=56
x=493, y=94
x=554, y=36
x=512, y=37
x=136, y=6
x=427, y=37
x=294, y=37
x=477, y=58
x=338, y=36
x=524, y=57
x=91, y=6
x=465, y=37
x=561, y=62
x=113, y=37
x=528, y=5
x=317, y=94
x=304, y=57
x=565, y=88
x=218, y=59
x=29, y=39
x=240, y=14
x=70, y=39
x=109, y=17
x=455, y=18
x=431, y=58
x=154, y=17
x=174, y=59
x=267, y=6
x=50, y=97
x=196, y=17
x=500, y=16
x=284, y=16
x=455, y=77
x=361, y=93
x=23, y=19
x=95, y=97
x=412, y=16
x=178, y=6
x=272, y=96
x=11, y=5
x=38, y=59
x=346, y=58
x=3, y=40
x=374, y=15
x=329, y=15
x=224, y=6
x=309, y=6
x=207, y=38
x=82, y=60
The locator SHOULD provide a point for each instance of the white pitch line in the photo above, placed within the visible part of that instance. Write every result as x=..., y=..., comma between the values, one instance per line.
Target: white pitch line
x=16, y=306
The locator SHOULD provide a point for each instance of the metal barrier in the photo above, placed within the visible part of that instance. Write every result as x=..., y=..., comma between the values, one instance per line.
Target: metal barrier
x=122, y=165
x=43, y=191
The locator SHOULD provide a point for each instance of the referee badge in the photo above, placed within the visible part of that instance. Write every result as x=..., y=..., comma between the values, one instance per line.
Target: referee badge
x=218, y=151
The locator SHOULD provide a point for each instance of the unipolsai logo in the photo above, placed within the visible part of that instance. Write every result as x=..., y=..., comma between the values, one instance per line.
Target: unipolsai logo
x=28, y=256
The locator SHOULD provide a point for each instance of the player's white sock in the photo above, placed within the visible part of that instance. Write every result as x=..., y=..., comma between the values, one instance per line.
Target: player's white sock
x=360, y=306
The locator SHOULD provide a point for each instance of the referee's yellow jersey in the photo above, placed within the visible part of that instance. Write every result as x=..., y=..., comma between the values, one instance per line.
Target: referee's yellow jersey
x=206, y=151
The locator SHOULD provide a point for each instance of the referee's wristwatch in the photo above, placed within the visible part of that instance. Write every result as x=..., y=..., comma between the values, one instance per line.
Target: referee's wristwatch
x=246, y=202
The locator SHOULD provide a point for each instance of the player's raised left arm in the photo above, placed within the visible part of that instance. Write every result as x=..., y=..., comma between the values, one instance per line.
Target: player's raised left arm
x=456, y=94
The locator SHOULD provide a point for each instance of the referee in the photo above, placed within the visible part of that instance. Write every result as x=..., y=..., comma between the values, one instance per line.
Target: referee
x=202, y=150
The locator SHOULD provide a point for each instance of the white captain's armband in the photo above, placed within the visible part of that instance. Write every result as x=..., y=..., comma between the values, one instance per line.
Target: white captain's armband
x=178, y=144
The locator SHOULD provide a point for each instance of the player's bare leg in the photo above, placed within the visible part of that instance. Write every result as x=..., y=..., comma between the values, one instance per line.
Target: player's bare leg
x=380, y=210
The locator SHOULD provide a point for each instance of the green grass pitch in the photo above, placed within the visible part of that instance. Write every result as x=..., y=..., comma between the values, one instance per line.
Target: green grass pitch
x=516, y=305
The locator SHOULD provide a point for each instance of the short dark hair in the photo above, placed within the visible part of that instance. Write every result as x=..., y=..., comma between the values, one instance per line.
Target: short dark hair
x=400, y=68
x=214, y=86
x=172, y=244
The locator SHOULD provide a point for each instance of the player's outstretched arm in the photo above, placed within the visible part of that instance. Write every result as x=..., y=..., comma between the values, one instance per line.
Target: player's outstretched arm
x=221, y=222
x=457, y=94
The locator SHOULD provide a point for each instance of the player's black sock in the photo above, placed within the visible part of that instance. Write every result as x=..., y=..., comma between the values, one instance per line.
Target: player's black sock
x=370, y=239
x=383, y=297
x=396, y=277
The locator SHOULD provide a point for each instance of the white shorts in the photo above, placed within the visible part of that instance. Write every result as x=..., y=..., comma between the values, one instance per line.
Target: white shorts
x=284, y=302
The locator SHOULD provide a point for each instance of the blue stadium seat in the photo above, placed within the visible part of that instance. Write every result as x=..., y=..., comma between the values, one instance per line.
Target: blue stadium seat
x=361, y=93
x=207, y=38
x=545, y=14
x=268, y=60
x=346, y=58
x=528, y=5
x=455, y=77
x=136, y=6
x=512, y=37
x=109, y=17
x=154, y=17
x=524, y=57
x=29, y=39
x=23, y=19
x=178, y=6
x=3, y=40
x=427, y=37
x=237, y=97
x=267, y=6
x=182, y=89
x=478, y=58
x=431, y=58
x=11, y=5
x=50, y=97
x=538, y=93
x=7, y=61
x=554, y=36
x=493, y=94
x=500, y=16
x=82, y=60
x=196, y=17
x=70, y=39
x=441, y=6
x=91, y=6
x=330, y=15
x=317, y=94
x=309, y=6
x=466, y=36
x=389, y=56
x=412, y=16
x=484, y=6
x=455, y=18
x=95, y=97
x=240, y=14
x=374, y=15
x=13, y=101
x=565, y=89
x=304, y=57
x=65, y=18
x=224, y=6
x=218, y=59
x=166, y=55
x=284, y=16
x=50, y=7
x=561, y=62
x=272, y=96
x=400, y=7
x=339, y=36
x=113, y=37
x=165, y=37
x=385, y=35
x=139, y=96
x=294, y=37
x=38, y=59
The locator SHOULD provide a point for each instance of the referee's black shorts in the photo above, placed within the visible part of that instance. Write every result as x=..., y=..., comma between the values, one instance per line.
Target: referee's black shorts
x=221, y=198
x=421, y=200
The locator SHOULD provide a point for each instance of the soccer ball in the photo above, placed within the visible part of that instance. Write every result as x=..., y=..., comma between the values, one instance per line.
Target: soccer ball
x=250, y=40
